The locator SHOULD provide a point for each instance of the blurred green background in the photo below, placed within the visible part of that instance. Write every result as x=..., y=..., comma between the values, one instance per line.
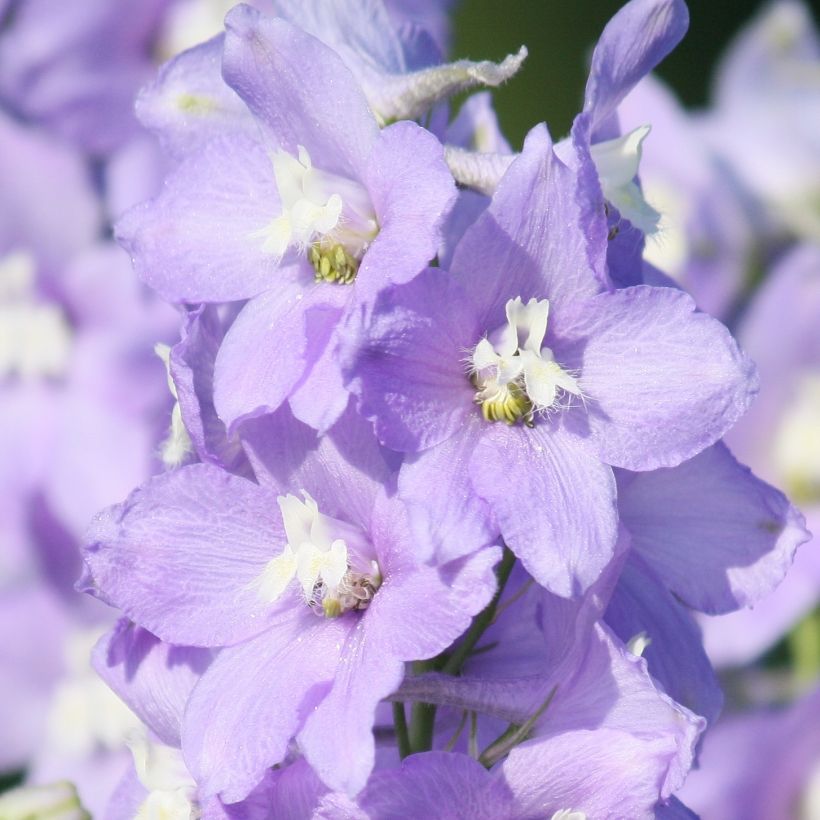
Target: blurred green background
x=560, y=37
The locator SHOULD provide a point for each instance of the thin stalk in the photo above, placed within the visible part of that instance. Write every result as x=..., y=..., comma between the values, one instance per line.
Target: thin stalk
x=400, y=724
x=472, y=743
x=514, y=735
x=423, y=715
x=451, y=743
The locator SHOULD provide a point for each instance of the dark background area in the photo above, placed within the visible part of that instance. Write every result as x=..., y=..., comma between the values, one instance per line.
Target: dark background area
x=560, y=35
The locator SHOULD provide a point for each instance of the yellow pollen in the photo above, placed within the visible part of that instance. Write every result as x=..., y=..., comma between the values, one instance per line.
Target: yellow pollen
x=509, y=404
x=333, y=263
x=332, y=607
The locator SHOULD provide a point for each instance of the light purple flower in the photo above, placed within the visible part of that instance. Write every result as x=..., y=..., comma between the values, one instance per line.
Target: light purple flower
x=359, y=567
x=618, y=378
x=290, y=221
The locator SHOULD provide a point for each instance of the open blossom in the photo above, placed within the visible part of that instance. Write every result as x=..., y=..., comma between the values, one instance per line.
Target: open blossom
x=324, y=596
x=522, y=331
x=305, y=223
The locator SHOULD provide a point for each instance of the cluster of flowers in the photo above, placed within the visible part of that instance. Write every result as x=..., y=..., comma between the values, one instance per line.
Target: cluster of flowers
x=444, y=482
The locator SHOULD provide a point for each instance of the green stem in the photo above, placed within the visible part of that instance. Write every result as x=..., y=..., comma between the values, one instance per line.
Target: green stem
x=482, y=620
x=400, y=724
x=514, y=735
x=423, y=715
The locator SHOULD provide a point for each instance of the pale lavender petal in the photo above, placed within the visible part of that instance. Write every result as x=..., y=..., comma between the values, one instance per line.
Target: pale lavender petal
x=436, y=784
x=266, y=350
x=321, y=397
x=553, y=499
x=662, y=382
x=407, y=362
x=740, y=637
x=192, y=363
x=201, y=239
x=152, y=677
x=233, y=729
x=181, y=555
x=715, y=535
x=283, y=75
x=344, y=470
x=606, y=774
x=641, y=604
x=412, y=190
x=446, y=515
x=189, y=103
x=634, y=41
x=535, y=203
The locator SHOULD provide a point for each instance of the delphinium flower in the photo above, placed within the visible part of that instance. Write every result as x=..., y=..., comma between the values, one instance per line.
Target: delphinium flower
x=324, y=594
x=305, y=223
x=74, y=69
x=518, y=363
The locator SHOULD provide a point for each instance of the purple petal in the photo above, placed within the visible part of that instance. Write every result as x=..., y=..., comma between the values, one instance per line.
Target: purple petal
x=553, y=499
x=634, y=41
x=234, y=730
x=407, y=362
x=192, y=369
x=181, y=555
x=445, y=512
x=534, y=205
x=344, y=470
x=642, y=604
x=321, y=397
x=436, y=784
x=663, y=382
x=740, y=637
x=283, y=75
x=189, y=103
x=412, y=190
x=716, y=535
x=606, y=774
x=198, y=241
x=153, y=678
x=267, y=348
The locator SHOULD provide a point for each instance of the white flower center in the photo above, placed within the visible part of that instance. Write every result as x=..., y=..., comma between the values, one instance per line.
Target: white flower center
x=797, y=441
x=35, y=338
x=515, y=376
x=569, y=814
x=329, y=216
x=328, y=557
x=617, y=164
